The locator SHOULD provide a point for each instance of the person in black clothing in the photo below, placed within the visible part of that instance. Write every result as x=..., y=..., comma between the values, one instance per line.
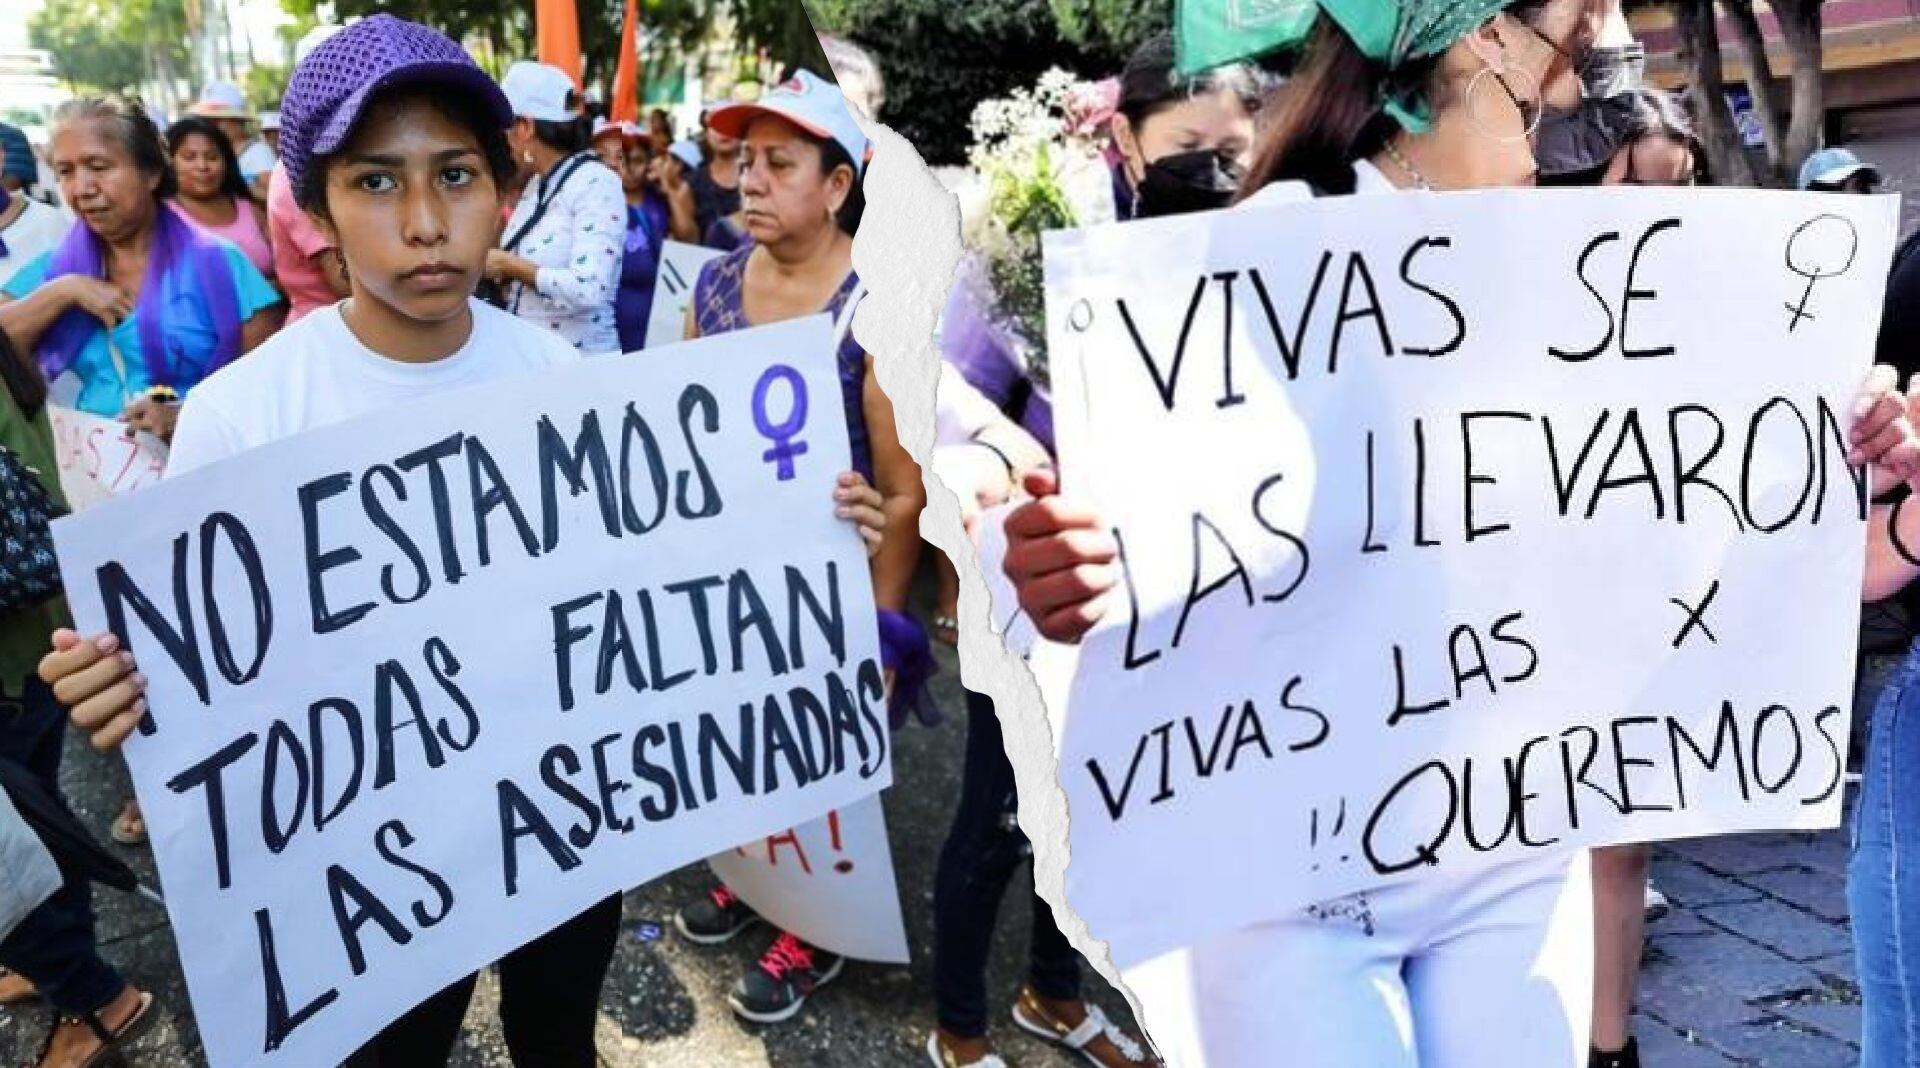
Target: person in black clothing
x=716, y=182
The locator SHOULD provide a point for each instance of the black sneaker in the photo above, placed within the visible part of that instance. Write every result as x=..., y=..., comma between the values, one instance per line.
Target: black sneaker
x=1623, y=1058
x=715, y=918
x=775, y=988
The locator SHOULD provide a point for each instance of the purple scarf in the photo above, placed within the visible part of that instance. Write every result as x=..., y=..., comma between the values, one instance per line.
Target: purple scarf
x=905, y=650
x=177, y=247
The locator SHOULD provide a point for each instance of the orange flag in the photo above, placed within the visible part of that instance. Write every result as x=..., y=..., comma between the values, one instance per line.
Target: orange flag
x=556, y=29
x=624, y=105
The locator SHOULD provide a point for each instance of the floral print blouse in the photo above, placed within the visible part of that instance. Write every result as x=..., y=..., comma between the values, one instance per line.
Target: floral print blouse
x=577, y=247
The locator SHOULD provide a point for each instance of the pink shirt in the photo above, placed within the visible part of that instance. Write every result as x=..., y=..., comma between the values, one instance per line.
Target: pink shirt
x=296, y=241
x=244, y=232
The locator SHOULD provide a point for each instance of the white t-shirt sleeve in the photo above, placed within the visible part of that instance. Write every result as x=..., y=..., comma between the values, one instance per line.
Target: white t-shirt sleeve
x=201, y=436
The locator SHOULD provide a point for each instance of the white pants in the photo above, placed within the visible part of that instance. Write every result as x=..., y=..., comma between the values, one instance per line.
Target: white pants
x=1488, y=970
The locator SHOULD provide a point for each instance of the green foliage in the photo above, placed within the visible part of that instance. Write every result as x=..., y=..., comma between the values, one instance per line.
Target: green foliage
x=101, y=45
x=940, y=57
x=266, y=83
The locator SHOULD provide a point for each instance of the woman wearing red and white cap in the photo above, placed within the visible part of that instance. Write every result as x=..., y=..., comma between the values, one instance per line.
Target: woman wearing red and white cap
x=801, y=160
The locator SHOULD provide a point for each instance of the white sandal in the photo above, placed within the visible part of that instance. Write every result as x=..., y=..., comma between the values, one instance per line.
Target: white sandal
x=1077, y=1039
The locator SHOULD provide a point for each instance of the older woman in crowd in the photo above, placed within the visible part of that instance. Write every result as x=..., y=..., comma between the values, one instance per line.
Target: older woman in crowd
x=560, y=255
x=134, y=301
x=801, y=160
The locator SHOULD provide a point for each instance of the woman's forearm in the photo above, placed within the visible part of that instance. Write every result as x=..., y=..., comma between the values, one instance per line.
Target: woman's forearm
x=893, y=565
x=27, y=319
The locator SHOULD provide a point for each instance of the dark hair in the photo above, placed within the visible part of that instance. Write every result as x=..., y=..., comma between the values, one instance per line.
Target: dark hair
x=566, y=136
x=833, y=156
x=463, y=109
x=1658, y=113
x=126, y=120
x=232, y=184
x=1151, y=82
x=1331, y=112
x=20, y=374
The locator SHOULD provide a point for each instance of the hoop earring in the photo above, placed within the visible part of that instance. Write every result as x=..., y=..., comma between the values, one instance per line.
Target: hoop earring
x=1500, y=77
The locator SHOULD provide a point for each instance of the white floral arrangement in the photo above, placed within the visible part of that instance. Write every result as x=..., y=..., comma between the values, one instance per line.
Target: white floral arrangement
x=1037, y=159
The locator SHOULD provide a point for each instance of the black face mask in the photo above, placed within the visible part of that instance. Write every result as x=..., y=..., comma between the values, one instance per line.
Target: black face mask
x=1581, y=141
x=1180, y=184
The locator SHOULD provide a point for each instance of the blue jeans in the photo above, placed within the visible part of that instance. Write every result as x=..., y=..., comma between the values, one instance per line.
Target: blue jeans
x=54, y=946
x=1883, y=889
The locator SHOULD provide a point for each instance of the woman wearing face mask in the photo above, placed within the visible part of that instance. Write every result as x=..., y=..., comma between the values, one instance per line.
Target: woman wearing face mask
x=560, y=255
x=1183, y=142
x=1492, y=967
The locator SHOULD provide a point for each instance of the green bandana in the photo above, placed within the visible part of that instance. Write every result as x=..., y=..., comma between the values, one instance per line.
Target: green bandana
x=1210, y=33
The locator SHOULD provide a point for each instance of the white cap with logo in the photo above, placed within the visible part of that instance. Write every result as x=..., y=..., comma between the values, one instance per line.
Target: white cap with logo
x=539, y=91
x=805, y=100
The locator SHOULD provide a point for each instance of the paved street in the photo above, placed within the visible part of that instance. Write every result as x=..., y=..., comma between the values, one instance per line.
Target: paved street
x=1754, y=965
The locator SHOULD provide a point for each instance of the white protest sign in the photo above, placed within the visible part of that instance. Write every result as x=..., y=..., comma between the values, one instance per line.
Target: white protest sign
x=99, y=460
x=1453, y=529
x=830, y=882
x=428, y=683
x=680, y=265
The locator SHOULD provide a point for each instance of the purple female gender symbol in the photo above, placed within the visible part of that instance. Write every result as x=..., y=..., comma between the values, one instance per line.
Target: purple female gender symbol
x=784, y=434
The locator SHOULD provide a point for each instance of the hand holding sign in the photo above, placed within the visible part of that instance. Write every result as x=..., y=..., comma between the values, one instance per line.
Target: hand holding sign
x=1060, y=556
x=1433, y=576
x=581, y=645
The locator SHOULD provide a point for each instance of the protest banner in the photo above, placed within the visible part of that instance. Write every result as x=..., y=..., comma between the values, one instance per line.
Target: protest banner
x=1453, y=529
x=830, y=882
x=673, y=290
x=428, y=683
x=99, y=459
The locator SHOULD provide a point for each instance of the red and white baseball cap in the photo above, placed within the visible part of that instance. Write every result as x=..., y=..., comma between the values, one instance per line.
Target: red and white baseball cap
x=806, y=100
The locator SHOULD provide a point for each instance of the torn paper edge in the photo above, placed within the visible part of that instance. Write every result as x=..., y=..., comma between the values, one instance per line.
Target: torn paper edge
x=907, y=252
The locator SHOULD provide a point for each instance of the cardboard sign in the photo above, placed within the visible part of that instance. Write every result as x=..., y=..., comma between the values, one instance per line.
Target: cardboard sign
x=830, y=882
x=428, y=683
x=99, y=460
x=1454, y=529
x=680, y=265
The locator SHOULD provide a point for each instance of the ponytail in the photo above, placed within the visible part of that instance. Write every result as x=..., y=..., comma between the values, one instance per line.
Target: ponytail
x=1329, y=114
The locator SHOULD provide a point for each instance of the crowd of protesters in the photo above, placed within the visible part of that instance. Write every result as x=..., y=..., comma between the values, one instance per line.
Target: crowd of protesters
x=194, y=279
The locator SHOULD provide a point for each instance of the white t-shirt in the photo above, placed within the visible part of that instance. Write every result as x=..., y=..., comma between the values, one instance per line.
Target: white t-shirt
x=40, y=228
x=316, y=373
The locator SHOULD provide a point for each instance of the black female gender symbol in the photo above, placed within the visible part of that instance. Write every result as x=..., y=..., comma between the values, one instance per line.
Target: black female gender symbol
x=1814, y=248
x=784, y=434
